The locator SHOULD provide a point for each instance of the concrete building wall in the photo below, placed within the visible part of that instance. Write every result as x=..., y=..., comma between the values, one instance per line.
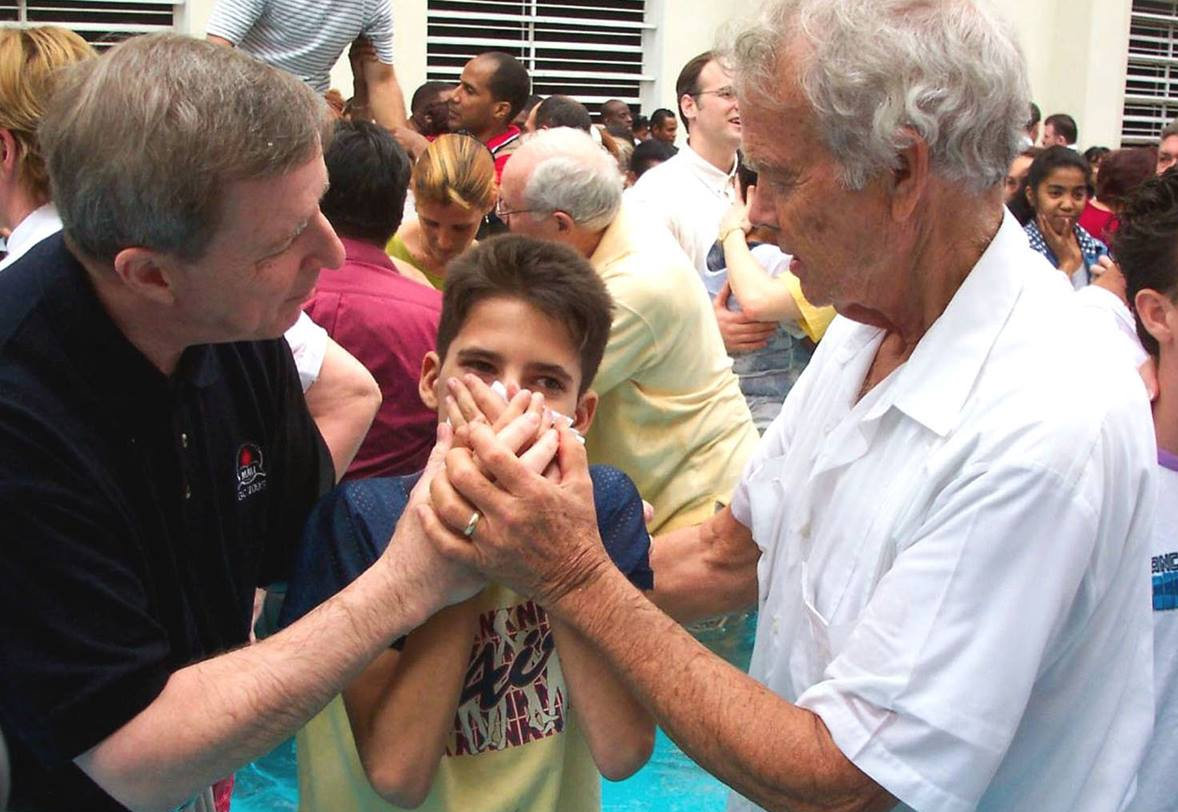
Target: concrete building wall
x=1076, y=52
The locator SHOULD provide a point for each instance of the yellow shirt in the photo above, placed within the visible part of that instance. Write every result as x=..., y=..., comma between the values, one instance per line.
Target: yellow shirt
x=671, y=414
x=514, y=746
x=397, y=249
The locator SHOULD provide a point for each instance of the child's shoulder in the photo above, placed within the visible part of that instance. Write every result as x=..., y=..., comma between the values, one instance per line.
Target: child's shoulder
x=346, y=532
x=621, y=523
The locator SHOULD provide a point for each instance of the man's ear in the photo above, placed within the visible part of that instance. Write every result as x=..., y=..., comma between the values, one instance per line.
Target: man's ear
x=148, y=274
x=564, y=222
x=910, y=179
x=502, y=111
x=586, y=409
x=427, y=383
x=689, y=106
x=1158, y=315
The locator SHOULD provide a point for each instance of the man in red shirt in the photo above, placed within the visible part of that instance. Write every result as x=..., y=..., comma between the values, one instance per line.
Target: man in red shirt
x=493, y=88
x=384, y=319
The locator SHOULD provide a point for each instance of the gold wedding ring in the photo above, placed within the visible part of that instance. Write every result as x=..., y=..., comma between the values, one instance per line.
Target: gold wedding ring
x=468, y=531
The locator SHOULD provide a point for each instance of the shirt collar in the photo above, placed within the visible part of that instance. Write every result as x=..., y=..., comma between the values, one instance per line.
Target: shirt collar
x=104, y=353
x=712, y=177
x=504, y=138
x=366, y=253
x=39, y=224
x=616, y=241
x=934, y=383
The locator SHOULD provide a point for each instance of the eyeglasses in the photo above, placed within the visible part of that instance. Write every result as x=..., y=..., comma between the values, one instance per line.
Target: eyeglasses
x=503, y=212
x=727, y=93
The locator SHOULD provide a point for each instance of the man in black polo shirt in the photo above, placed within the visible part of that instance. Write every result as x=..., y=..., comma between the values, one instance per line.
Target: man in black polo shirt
x=156, y=457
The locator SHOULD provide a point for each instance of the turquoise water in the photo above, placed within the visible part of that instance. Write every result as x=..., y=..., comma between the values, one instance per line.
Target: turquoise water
x=670, y=782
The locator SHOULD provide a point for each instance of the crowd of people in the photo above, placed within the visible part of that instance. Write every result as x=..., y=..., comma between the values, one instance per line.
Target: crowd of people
x=420, y=434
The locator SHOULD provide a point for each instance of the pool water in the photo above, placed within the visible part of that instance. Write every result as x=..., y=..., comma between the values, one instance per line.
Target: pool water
x=670, y=781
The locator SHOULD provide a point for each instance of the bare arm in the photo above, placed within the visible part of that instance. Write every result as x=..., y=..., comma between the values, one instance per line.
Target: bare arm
x=761, y=296
x=384, y=94
x=343, y=401
x=216, y=715
x=401, y=708
x=769, y=750
x=740, y=331
x=705, y=570
x=619, y=731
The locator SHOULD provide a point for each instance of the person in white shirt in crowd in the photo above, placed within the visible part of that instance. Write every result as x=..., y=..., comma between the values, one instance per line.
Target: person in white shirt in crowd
x=307, y=37
x=1147, y=252
x=690, y=193
x=945, y=528
x=1032, y=129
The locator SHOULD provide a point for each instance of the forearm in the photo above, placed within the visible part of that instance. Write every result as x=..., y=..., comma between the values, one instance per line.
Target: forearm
x=214, y=716
x=705, y=570
x=619, y=731
x=761, y=296
x=778, y=755
x=385, y=99
x=401, y=709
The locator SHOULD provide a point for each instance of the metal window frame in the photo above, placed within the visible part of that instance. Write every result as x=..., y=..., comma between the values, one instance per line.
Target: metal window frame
x=102, y=33
x=573, y=62
x=1151, y=78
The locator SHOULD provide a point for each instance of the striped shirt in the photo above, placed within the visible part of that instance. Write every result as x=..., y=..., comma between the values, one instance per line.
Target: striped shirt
x=304, y=37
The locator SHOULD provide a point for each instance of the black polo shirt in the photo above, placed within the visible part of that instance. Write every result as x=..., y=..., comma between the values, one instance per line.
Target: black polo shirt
x=138, y=512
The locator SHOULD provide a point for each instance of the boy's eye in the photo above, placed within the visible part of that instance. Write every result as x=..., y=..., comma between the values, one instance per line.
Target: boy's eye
x=550, y=384
x=480, y=367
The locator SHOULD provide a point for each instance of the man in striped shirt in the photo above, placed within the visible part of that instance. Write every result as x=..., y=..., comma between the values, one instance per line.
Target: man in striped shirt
x=306, y=38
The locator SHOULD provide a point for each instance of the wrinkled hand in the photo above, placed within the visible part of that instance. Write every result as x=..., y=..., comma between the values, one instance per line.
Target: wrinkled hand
x=740, y=333
x=538, y=536
x=411, y=555
x=1108, y=276
x=1061, y=239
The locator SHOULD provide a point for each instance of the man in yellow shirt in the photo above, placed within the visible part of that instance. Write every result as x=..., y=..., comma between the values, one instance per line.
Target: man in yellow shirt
x=671, y=415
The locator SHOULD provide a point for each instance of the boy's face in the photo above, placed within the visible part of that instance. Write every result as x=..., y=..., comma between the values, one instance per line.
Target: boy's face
x=509, y=340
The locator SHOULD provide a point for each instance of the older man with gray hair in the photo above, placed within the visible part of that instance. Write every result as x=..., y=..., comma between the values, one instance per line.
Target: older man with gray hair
x=157, y=460
x=670, y=412
x=944, y=528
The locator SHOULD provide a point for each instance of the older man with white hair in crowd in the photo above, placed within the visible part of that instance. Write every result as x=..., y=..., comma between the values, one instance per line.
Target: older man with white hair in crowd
x=944, y=529
x=670, y=412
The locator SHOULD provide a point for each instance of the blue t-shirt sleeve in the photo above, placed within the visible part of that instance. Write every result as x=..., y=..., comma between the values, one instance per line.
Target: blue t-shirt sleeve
x=347, y=531
x=620, y=522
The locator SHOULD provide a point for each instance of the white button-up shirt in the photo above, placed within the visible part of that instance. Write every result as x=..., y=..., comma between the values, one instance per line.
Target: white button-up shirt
x=689, y=197
x=951, y=573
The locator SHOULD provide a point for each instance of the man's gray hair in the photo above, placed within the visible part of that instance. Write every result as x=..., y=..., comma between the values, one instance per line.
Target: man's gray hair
x=572, y=174
x=142, y=143
x=875, y=72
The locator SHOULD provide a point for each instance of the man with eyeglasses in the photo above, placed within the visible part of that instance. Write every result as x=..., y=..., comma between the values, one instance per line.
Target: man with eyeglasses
x=690, y=193
x=670, y=413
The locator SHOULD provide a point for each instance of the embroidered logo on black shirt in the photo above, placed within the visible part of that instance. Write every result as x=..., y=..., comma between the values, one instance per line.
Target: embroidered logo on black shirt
x=251, y=472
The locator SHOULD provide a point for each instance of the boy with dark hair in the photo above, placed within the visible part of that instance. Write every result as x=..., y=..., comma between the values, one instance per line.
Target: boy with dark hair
x=489, y=705
x=1061, y=129
x=1146, y=245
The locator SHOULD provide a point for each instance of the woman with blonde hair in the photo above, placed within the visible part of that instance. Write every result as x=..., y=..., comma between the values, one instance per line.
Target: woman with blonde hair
x=29, y=61
x=453, y=186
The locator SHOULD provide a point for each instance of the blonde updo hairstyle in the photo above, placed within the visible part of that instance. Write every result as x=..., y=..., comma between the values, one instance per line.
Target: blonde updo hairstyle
x=456, y=170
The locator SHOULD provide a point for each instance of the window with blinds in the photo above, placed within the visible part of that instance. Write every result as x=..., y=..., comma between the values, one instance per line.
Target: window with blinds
x=100, y=22
x=1151, y=83
x=588, y=49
